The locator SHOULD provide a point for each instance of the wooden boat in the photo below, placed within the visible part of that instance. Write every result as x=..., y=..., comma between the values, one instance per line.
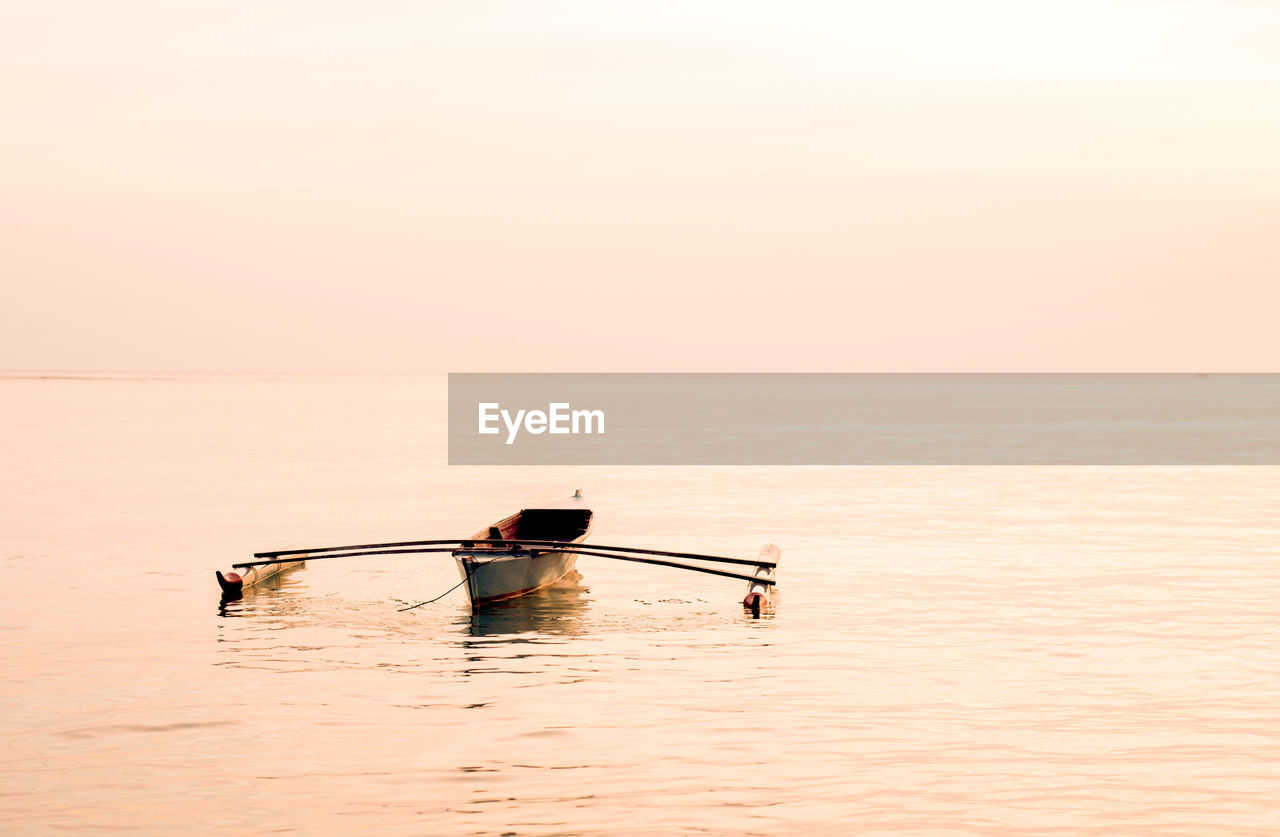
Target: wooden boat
x=528, y=551
x=493, y=572
x=234, y=584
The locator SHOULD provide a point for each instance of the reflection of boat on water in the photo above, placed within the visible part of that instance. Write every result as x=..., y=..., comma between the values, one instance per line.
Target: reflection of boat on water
x=558, y=608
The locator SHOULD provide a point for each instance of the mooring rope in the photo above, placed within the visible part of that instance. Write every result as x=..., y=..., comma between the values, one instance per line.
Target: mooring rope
x=470, y=571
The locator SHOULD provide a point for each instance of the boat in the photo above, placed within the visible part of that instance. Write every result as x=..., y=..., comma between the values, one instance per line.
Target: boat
x=234, y=584
x=521, y=554
x=501, y=568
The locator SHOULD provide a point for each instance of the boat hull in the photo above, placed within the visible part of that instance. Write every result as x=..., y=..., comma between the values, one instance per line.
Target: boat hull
x=492, y=576
x=496, y=567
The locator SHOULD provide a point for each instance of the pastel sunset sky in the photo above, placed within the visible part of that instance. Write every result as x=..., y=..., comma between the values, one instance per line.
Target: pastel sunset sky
x=923, y=185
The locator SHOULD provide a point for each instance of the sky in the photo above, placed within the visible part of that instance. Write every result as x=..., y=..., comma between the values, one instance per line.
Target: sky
x=926, y=185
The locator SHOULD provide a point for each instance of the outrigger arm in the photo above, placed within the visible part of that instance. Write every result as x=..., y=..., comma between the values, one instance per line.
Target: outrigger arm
x=757, y=590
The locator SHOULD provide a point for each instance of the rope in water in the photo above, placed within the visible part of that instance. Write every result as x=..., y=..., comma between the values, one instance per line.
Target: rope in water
x=470, y=570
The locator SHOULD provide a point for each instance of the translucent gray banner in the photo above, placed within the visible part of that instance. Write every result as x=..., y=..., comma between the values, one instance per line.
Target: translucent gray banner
x=819, y=419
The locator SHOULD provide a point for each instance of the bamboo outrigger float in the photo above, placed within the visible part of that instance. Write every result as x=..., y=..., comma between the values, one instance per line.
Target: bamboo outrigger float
x=521, y=554
x=234, y=584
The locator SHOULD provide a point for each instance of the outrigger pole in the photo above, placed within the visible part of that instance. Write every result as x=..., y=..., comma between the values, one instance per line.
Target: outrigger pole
x=469, y=543
x=753, y=578
x=559, y=547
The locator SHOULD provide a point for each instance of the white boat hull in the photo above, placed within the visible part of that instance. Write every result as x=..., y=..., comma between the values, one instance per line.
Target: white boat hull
x=492, y=576
x=503, y=569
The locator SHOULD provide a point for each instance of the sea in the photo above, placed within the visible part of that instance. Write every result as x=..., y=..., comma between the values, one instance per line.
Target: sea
x=952, y=650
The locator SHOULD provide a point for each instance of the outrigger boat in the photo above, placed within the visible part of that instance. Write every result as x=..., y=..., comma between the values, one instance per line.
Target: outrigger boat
x=523, y=553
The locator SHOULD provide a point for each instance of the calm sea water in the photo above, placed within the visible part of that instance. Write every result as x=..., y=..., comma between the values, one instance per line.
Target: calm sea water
x=955, y=650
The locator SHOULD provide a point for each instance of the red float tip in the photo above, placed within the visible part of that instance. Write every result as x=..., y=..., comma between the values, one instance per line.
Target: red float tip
x=230, y=583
